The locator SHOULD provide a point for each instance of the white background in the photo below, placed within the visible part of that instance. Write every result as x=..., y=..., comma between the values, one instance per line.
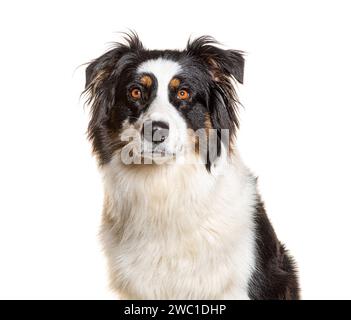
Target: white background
x=295, y=131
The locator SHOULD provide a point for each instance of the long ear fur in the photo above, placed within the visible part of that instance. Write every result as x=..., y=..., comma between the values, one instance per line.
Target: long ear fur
x=220, y=62
x=223, y=67
x=102, y=76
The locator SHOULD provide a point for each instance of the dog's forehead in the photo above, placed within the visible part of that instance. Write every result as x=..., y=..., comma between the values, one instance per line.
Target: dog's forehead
x=164, y=70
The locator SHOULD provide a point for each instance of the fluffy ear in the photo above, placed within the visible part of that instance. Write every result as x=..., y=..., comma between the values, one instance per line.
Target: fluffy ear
x=102, y=76
x=97, y=66
x=228, y=63
x=102, y=67
x=223, y=66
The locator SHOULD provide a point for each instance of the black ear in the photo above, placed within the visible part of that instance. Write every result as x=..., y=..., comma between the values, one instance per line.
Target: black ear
x=103, y=66
x=222, y=66
x=99, y=66
x=102, y=76
x=228, y=63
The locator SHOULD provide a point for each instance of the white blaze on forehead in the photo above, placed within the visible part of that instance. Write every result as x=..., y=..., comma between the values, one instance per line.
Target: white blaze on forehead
x=160, y=108
x=164, y=70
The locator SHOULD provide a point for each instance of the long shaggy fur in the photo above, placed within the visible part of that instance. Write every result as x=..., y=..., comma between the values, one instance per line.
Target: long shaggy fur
x=190, y=230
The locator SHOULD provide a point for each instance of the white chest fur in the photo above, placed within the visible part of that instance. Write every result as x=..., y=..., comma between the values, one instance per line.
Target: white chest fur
x=177, y=232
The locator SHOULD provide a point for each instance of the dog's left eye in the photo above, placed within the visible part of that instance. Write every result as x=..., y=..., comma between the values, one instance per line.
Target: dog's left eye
x=183, y=94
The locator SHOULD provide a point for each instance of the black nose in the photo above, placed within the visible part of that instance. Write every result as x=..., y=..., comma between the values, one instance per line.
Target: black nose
x=155, y=131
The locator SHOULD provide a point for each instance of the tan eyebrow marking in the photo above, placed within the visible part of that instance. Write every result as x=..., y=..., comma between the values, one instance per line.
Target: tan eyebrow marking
x=146, y=81
x=174, y=83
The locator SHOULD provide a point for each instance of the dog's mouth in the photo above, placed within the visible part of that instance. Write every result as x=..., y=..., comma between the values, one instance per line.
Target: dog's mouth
x=158, y=155
x=156, y=150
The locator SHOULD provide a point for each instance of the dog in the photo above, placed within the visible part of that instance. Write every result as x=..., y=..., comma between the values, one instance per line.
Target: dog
x=182, y=217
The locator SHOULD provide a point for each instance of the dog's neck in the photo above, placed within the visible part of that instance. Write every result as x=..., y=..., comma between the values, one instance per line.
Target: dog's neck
x=173, y=190
x=146, y=186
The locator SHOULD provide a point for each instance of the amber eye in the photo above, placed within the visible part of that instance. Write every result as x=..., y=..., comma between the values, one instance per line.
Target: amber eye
x=135, y=94
x=183, y=94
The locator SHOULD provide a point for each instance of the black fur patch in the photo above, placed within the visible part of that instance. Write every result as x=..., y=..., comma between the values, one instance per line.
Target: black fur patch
x=275, y=277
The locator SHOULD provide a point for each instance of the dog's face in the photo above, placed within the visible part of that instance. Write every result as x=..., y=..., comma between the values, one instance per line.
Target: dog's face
x=157, y=104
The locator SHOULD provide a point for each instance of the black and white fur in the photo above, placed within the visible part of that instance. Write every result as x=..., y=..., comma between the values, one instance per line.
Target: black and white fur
x=189, y=230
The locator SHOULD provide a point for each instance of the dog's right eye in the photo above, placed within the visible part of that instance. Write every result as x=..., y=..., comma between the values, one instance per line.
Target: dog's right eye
x=135, y=94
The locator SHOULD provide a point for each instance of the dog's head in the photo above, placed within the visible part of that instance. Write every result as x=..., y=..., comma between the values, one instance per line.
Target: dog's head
x=151, y=104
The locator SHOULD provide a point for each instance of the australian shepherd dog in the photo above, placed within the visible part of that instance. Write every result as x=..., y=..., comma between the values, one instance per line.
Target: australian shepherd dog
x=182, y=217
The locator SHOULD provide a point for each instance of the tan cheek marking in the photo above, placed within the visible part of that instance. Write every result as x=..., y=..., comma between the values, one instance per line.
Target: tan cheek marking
x=208, y=122
x=174, y=83
x=146, y=81
x=194, y=141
